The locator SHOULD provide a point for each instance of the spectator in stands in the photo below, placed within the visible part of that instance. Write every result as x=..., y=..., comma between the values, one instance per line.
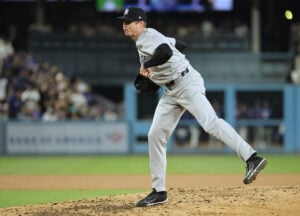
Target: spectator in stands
x=279, y=134
x=240, y=29
x=256, y=110
x=30, y=97
x=207, y=28
x=90, y=96
x=87, y=29
x=49, y=115
x=3, y=87
x=3, y=111
x=110, y=115
x=6, y=49
x=61, y=109
x=218, y=108
x=40, y=27
x=78, y=101
x=182, y=136
x=242, y=111
x=74, y=114
x=94, y=112
x=266, y=111
x=3, y=95
x=79, y=85
x=15, y=103
x=294, y=74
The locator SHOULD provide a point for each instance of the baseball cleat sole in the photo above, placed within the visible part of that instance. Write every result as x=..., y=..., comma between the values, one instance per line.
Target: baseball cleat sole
x=157, y=203
x=255, y=172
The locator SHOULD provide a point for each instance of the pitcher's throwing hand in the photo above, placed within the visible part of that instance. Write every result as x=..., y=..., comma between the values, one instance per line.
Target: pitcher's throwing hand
x=145, y=72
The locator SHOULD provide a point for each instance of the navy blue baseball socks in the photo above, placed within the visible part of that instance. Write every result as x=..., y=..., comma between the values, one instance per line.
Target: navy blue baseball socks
x=153, y=198
x=255, y=164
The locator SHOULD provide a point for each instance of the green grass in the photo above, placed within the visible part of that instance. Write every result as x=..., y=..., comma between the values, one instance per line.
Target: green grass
x=177, y=164
x=74, y=165
x=10, y=198
x=137, y=164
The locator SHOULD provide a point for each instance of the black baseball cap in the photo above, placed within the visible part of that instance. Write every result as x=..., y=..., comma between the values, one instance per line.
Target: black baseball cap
x=133, y=14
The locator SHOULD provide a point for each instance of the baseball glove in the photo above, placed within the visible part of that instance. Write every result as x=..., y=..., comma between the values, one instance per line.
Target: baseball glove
x=145, y=85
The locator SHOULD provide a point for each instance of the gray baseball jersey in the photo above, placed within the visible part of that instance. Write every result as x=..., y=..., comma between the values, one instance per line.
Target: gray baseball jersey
x=146, y=44
x=185, y=91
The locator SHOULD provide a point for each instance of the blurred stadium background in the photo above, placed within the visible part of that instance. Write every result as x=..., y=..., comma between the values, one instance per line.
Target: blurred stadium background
x=66, y=73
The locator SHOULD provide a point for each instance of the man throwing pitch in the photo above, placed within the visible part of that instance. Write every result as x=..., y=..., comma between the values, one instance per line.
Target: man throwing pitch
x=164, y=64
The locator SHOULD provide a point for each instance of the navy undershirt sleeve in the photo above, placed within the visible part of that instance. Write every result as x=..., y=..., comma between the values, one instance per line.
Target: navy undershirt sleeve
x=161, y=55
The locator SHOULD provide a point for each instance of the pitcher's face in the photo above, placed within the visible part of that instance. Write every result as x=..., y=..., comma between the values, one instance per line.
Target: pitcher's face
x=133, y=29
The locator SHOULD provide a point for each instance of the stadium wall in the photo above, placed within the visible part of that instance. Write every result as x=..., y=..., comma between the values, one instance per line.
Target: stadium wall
x=129, y=136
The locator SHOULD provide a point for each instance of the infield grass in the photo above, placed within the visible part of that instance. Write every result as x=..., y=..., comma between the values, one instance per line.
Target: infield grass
x=138, y=164
x=132, y=164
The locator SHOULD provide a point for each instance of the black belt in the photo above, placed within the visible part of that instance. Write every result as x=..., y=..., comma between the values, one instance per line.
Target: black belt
x=183, y=73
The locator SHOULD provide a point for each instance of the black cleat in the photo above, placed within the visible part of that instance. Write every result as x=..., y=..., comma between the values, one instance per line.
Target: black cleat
x=254, y=166
x=153, y=198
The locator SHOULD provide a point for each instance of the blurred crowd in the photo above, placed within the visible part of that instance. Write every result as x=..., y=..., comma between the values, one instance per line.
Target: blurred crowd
x=206, y=28
x=193, y=136
x=260, y=110
x=31, y=89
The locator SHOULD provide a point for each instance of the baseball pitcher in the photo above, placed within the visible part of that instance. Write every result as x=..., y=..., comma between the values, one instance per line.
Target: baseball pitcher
x=164, y=64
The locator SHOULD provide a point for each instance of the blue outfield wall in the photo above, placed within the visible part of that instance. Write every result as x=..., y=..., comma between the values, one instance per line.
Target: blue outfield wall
x=123, y=137
x=2, y=138
x=290, y=120
x=297, y=120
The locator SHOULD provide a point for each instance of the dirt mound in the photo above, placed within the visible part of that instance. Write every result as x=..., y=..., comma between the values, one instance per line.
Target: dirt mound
x=258, y=200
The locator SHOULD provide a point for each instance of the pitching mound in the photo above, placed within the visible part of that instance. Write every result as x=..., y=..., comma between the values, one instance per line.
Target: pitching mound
x=259, y=200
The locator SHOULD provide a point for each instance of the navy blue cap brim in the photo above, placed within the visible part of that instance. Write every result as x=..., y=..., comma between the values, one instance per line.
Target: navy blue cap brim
x=127, y=19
